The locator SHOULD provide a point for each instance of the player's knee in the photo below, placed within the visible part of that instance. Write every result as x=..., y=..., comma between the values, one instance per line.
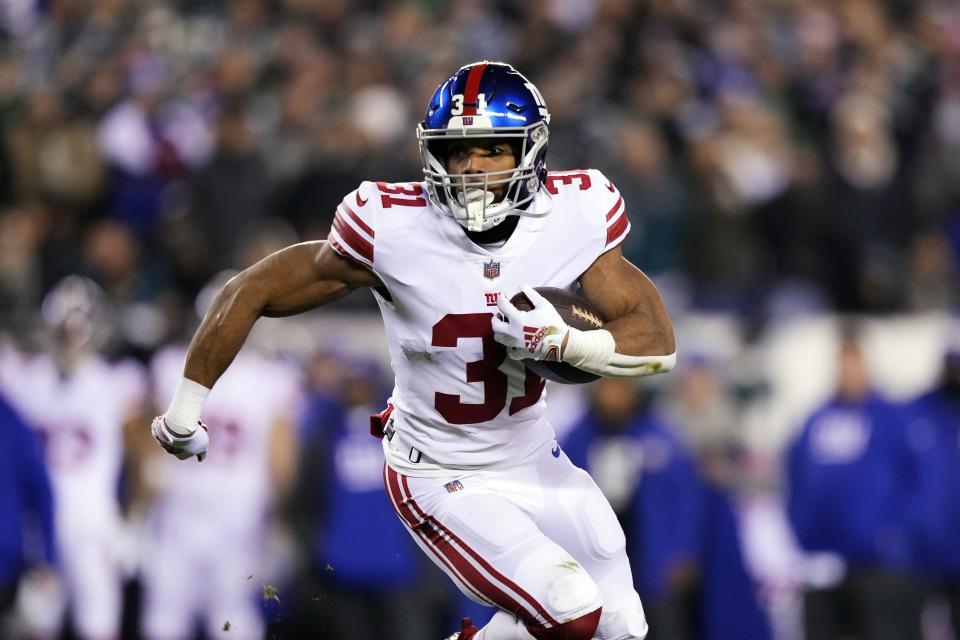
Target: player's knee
x=581, y=628
x=623, y=621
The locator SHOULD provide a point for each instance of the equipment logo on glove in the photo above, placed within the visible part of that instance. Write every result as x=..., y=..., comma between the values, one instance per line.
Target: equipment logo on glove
x=536, y=334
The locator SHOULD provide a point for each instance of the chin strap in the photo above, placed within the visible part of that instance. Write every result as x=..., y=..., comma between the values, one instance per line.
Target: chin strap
x=595, y=351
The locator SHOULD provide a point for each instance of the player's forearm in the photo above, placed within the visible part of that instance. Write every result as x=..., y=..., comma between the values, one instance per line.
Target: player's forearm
x=638, y=339
x=214, y=346
x=638, y=343
x=223, y=331
x=643, y=332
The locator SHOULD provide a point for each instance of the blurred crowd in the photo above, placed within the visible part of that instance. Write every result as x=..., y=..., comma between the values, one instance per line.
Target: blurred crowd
x=778, y=158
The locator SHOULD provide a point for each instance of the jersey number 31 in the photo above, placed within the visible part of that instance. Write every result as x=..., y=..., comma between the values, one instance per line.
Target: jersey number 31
x=447, y=333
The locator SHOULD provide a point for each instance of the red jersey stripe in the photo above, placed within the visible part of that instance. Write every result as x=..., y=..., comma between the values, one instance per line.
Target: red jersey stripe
x=360, y=223
x=353, y=239
x=613, y=211
x=471, y=90
x=334, y=239
x=617, y=229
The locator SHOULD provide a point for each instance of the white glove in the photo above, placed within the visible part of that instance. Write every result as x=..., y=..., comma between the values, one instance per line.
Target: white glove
x=530, y=335
x=183, y=447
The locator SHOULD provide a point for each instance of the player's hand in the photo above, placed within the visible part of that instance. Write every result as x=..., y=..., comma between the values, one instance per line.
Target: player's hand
x=530, y=335
x=181, y=446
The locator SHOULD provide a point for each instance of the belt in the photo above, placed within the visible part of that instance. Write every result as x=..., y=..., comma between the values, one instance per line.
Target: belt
x=381, y=426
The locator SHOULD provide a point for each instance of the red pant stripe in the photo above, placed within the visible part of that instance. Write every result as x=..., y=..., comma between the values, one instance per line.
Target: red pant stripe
x=403, y=511
x=480, y=567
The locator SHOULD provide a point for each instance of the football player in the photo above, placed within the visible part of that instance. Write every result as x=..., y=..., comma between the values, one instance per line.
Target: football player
x=208, y=526
x=472, y=467
x=81, y=404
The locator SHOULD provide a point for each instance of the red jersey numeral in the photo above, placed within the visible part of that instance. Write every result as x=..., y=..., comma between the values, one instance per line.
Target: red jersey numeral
x=447, y=333
x=582, y=178
x=404, y=195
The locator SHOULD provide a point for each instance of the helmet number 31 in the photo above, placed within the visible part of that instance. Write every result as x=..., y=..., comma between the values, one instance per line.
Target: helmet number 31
x=456, y=108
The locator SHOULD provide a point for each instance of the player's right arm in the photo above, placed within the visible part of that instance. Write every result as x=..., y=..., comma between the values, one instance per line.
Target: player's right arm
x=296, y=279
x=301, y=277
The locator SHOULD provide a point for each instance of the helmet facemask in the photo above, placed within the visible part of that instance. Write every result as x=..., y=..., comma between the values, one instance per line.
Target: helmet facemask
x=469, y=198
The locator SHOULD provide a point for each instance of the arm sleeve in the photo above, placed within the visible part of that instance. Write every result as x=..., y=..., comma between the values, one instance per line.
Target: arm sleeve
x=353, y=235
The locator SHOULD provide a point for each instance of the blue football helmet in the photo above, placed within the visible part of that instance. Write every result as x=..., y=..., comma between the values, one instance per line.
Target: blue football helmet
x=485, y=100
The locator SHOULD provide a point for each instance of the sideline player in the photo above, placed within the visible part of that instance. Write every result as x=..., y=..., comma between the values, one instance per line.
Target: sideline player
x=81, y=404
x=208, y=524
x=473, y=469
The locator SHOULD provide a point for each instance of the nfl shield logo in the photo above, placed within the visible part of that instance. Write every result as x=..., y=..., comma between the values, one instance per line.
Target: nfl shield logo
x=453, y=486
x=491, y=270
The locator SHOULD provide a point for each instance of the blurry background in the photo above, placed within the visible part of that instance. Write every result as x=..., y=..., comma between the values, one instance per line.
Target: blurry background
x=792, y=172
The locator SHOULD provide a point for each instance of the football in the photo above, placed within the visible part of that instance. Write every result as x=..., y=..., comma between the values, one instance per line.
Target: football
x=576, y=312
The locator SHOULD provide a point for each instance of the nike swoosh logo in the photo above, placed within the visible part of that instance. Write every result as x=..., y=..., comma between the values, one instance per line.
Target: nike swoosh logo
x=610, y=188
x=360, y=202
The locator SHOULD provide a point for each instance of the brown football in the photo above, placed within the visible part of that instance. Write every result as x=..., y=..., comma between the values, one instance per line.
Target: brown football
x=577, y=312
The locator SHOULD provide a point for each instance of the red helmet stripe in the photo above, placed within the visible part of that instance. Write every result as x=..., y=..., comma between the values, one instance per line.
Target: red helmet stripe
x=471, y=90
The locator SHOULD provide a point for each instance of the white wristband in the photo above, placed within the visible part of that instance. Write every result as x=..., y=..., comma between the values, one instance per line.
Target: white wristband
x=183, y=415
x=596, y=351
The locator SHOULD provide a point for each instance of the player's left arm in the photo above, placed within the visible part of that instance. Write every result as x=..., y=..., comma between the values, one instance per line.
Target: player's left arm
x=637, y=319
x=637, y=339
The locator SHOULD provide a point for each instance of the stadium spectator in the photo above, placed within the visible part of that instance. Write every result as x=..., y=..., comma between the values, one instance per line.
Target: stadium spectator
x=935, y=434
x=708, y=421
x=851, y=479
x=654, y=488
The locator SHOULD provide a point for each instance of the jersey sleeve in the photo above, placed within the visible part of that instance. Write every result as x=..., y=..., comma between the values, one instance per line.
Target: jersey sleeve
x=352, y=235
x=606, y=201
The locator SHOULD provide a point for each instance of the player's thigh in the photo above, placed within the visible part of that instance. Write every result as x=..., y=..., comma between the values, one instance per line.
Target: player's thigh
x=493, y=549
x=578, y=516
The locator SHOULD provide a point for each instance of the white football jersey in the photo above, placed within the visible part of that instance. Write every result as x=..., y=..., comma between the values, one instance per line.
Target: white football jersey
x=459, y=401
x=234, y=478
x=80, y=418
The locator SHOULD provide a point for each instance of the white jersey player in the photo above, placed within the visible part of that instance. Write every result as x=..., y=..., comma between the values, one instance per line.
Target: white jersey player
x=80, y=404
x=472, y=466
x=207, y=526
